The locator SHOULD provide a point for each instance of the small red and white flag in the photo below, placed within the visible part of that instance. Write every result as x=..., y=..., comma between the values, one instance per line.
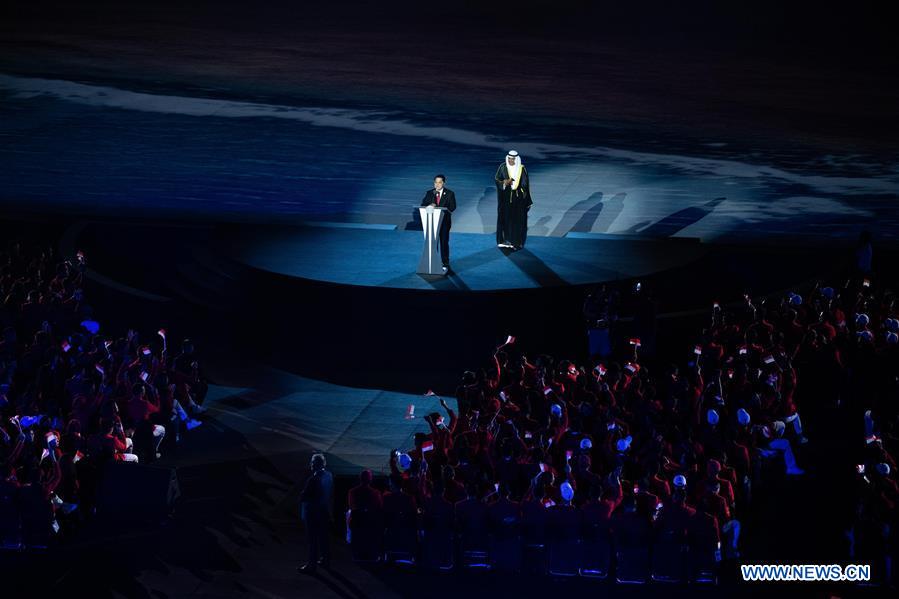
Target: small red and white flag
x=509, y=341
x=635, y=341
x=66, y=346
x=697, y=350
x=145, y=351
x=144, y=376
x=427, y=446
x=410, y=412
x=161, y=333
x=769, y=359
x=99, y=369
x=632, y=368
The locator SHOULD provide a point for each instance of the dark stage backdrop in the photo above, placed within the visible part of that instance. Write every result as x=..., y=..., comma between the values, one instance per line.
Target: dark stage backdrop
x=719, y=122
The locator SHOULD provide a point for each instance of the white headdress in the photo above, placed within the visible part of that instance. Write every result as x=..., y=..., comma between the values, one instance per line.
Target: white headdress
x=514, y=170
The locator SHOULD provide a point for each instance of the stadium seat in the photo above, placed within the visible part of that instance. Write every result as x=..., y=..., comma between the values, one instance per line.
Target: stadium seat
x=669, y=555
x=703, y=564
x=596, y=552
x=437, y=541
x=564, y=557
x=10, y=520
x=366, y=536
x=505, y=548
x=632, y=565
x=401, y=542
x=37, y=523
x=474, y=548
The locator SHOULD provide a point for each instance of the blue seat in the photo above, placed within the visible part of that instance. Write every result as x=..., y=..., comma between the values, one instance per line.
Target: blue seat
x=702, y=564
x=366, y=535
x=506, y=552
x=400, y=543
x=10, y=520
x=669, y=557
x=596, y=552
x=437, y=544
x=632, y=565
x=564, y=557
x=37, y=523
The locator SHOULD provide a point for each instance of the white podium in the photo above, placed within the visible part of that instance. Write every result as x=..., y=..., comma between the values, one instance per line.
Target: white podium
x=431, y=218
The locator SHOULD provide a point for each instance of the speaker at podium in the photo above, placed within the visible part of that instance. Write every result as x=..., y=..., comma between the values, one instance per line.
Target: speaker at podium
x=431, y=219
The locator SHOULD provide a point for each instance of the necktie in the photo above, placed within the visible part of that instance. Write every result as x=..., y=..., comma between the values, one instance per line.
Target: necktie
x=438, y=198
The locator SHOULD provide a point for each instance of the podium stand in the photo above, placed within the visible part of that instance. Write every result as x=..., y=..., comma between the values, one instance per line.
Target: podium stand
x=431, y=219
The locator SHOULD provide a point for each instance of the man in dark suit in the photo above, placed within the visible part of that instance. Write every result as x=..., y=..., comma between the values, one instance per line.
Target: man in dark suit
x=316, y=502
x=441, y=197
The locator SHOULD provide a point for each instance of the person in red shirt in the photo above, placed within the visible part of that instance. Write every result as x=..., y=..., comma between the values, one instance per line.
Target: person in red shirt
x=503, y=514
x=441, y=431
x=437, y=512
x=604, y=500
x=703, y=536
x=676, y=516
x=453, y=490
x=141, y=408
x=712, y=502
x=364, y=518
x=713, y=471
x=657, y=485
x=112, y=442
x=363, y=496
x=715, y=505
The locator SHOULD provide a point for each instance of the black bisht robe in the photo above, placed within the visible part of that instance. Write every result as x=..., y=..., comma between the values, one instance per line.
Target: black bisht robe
x=512, y=208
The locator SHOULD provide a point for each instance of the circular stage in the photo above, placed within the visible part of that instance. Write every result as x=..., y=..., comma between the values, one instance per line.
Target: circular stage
x=343, y=303
x=374, y=256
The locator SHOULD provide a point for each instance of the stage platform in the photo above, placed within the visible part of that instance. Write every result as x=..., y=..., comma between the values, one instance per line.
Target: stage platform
x=375, y=256
x=343, y=304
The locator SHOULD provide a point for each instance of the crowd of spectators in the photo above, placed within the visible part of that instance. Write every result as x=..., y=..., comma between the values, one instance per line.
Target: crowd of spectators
x=636, y=469
x=74, y=397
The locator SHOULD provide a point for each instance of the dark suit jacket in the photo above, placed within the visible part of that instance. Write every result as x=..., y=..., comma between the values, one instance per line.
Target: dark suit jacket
x=447, y=200
x=316, y=500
